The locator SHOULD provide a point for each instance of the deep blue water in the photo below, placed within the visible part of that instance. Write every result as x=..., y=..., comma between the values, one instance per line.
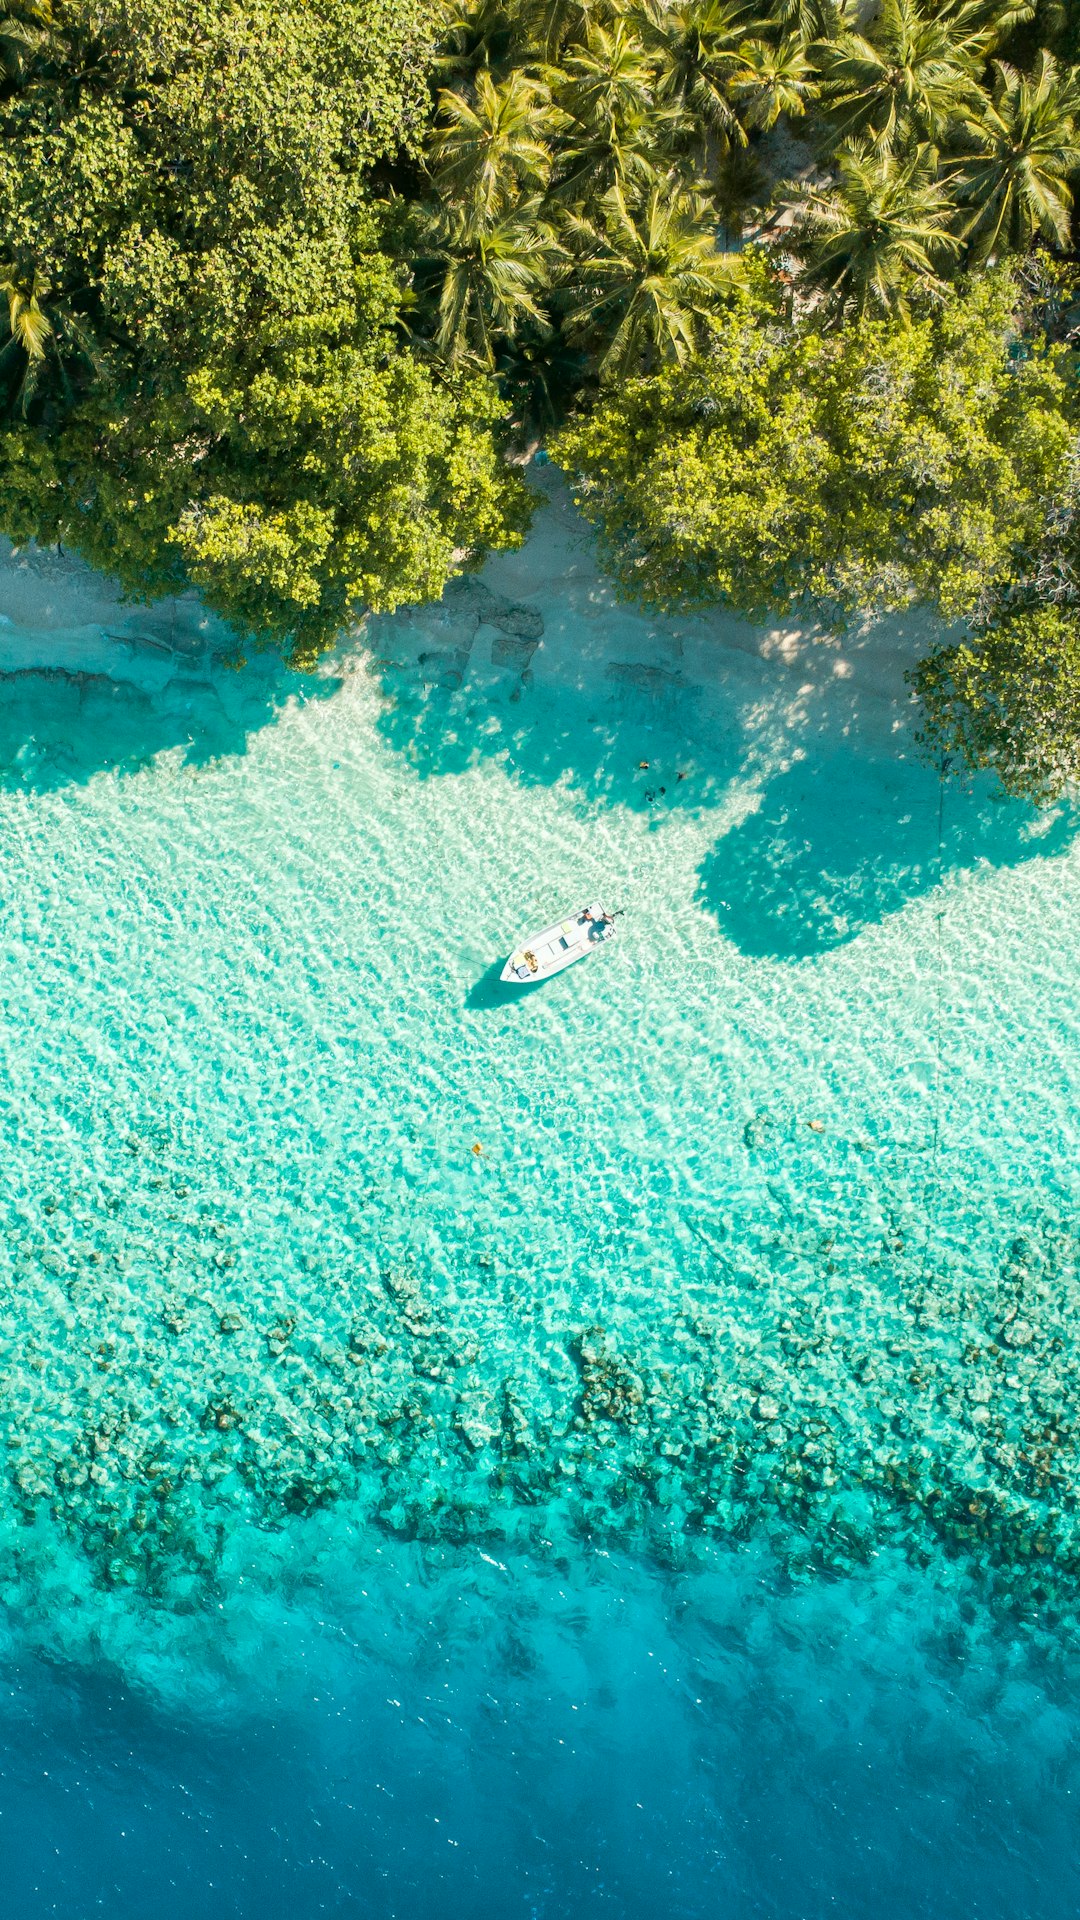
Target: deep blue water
x=631, y=1749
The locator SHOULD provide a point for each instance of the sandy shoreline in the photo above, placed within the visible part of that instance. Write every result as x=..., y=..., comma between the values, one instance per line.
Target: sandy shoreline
x=797, y=685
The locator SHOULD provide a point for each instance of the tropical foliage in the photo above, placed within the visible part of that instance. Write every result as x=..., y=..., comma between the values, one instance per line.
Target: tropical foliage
x=286, y=282
x=902, y=459
x=1009, y=699
x=878, y=154
x=205, y=377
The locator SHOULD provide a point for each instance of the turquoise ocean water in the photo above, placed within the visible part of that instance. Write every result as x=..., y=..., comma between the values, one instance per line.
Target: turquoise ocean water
x=610, y=1450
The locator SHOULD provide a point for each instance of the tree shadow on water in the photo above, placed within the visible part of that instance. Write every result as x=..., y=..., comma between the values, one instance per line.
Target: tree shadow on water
x=621, y=742
x=58, y=728
x=828, y=853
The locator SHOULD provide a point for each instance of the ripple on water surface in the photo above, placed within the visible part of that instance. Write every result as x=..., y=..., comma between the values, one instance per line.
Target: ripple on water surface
x=759, y=1225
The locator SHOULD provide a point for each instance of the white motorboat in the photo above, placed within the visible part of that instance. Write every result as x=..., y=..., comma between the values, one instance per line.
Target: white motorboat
x=559, y=946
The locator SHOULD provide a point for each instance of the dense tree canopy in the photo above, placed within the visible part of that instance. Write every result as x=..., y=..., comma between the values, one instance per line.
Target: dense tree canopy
x=287, y=282
x=865, y=466
x=1009, y=699
x=933, y=457
x=209, y=381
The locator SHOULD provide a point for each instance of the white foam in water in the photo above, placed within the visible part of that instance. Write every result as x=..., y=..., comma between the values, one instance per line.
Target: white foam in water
x=373, y=1333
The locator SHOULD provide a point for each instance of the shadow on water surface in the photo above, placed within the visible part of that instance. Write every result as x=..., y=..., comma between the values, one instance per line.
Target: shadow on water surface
x=58, y=727
x=602, y=742
x=490, y=992
x=827, y=854
x=817, y=849
x=822, y=848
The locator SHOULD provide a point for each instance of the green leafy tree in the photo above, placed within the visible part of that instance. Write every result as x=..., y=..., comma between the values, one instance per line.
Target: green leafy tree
x=226, y=397
x=865, y=468
x=1008, y=700
x=1007, y=696
x=395, y=466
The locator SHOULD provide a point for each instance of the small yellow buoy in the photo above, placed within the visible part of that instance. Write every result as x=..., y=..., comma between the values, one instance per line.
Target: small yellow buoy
x=477, y=1148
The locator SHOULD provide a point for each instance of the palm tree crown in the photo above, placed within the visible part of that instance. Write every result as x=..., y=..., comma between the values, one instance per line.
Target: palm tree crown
x=489, y=148
x=697, y=49
x=615, y=129
x=774, y=77
x=910, y=77
x=658, y=273
x=883, y=224
x=1026, y=145
x=494, y=270
x=28, y=323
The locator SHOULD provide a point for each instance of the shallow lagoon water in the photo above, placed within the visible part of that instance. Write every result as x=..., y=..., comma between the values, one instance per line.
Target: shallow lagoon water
x=668, y=1505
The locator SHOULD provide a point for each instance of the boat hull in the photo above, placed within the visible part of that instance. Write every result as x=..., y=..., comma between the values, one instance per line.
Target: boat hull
x=545, y=954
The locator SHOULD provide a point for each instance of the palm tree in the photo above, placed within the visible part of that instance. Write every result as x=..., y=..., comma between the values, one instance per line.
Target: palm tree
x=657, y=274
x=1057, y=28
x=28, y=323
x=910, y=77
x=616, y=130
x=555, y=25
x=996, y=18
x=1026, y=145
x=610, y=78
x=738, y=186
x=773, y=78
x=540, y=370
x=25, y=32
x=884, y=224
x=491, y=149
x=30, y=329
x=697, y=49
x=59, y=340
x=475, y=37
x=810, y=19
x=494, y=269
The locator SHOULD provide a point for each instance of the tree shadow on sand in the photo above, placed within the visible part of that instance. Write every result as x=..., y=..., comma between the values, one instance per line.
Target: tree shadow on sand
x=826, y=854
x=58, y=728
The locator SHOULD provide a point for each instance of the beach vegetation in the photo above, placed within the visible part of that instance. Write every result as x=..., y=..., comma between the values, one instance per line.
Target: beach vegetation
x=1008, y=698
x=293, y=291
x=906, y=458
x=206, y=380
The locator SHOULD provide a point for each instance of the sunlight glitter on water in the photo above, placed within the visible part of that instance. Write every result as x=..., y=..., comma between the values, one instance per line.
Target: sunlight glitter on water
x=770, y=1234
